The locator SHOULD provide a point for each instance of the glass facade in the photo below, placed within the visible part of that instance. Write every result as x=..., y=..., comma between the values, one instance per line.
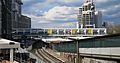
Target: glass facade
x=11, y=12
x=68, y=31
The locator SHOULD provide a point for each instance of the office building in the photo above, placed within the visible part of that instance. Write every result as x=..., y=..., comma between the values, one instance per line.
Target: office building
x=98, y=19
x=79, y=24
x=11, y=13
x=88, y=16
x=25, y=22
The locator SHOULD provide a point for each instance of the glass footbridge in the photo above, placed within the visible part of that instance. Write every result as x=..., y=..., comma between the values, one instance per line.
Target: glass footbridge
x=17, y=32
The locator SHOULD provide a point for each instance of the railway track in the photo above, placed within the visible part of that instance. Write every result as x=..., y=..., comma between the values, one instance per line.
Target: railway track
x=41, y=56
x=49, y=58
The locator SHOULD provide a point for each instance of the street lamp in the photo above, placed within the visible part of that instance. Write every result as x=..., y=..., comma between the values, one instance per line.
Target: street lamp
x=77, y=51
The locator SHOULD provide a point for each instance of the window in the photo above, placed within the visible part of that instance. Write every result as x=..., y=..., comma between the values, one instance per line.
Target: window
x=54, y=31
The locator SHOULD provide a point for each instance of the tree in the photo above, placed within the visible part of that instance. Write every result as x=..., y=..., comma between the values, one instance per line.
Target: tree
x=113, y=29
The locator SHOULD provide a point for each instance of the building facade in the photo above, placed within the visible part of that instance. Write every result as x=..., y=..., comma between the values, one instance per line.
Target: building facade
x=88, y=16
x=25, y=22
x=98, y=19
x=11, y=13
x=16, y=8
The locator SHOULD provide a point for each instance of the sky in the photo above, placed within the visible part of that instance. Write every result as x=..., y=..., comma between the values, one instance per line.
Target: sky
x=63, y=13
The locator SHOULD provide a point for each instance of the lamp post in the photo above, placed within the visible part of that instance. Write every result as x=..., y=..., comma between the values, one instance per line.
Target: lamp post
x=77, y=51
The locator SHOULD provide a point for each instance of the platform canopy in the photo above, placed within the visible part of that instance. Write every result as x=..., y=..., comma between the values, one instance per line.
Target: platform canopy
x=55, y=40
x=4, y=43
x=79, y=38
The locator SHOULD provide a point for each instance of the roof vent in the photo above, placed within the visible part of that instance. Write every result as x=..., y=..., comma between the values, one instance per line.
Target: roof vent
x=11, y=43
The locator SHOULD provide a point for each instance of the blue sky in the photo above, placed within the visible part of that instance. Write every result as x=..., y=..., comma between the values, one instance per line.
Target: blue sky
x=63, y=13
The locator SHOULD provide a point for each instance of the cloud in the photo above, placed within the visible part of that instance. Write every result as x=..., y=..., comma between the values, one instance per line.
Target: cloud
x=65, y=11
x=101, y=1
x=111, y=12
x=58, y=13
x=61, y=13
x=25, y=1
x=35, y=6
x=68, y=1
x=55, y=25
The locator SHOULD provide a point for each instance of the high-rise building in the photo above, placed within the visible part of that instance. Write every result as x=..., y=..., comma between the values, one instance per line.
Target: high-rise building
x=88, y=16
x=25, y=22
x=98, y=19
x=11, y=13
x=16, y=9
x=79, y=18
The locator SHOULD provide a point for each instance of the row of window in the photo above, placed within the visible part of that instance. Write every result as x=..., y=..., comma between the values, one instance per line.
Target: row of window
x=85, y=8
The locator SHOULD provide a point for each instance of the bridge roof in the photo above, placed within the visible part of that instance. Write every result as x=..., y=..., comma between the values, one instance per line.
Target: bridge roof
x=79, y=38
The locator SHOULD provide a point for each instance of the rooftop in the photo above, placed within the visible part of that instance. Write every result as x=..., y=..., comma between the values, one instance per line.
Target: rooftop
x=4, y=43
x=55, y=40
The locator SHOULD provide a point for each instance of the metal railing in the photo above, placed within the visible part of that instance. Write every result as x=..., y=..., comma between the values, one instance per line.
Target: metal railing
x=20, y=60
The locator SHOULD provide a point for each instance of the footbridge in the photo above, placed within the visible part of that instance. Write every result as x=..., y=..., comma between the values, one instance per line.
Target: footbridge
x=58, y=32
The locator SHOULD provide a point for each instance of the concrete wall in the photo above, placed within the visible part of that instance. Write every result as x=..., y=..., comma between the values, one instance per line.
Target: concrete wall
x=91, y=60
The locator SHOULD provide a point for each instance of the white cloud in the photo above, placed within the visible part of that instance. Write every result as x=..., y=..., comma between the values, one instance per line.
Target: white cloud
x=26, y=0
x=68, y=25
x=68, y=1
x=57, y=13
x=112, y=9
x=101, y=1
x=52, y=11
x=36, y=19
x=55, y=25
x=61, y=13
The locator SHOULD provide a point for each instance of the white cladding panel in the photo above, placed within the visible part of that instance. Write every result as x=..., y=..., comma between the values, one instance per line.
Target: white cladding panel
x=102, y=51
x=115, y=51
x=6, y=44
x=95, y=50
x=105, y=51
